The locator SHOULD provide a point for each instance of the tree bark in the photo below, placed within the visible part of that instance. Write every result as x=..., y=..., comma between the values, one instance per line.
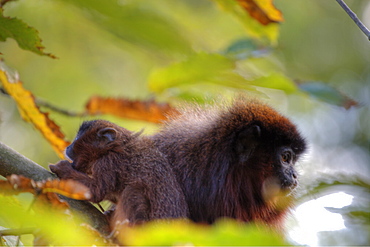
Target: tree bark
x=12, y=162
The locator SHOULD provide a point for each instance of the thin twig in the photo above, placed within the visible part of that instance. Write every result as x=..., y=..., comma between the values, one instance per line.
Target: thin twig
x=43, y=103
x=354, y=18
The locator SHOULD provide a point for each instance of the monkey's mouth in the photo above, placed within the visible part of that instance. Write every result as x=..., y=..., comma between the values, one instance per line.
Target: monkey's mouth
x=274, y=188
x=68, y=152
x=68, y=158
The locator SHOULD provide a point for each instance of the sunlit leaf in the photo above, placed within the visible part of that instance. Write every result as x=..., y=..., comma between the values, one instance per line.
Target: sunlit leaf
x=263, y=11
x=215, y=69
x=180, y=232
x=252, y=26
x=30, y=112
x=27, y=37
x=327, y=94
x=150, y=111
x=200, y=68
x=324, y=182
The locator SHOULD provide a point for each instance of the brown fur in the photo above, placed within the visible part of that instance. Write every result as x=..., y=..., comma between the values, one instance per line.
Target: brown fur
x=125, y=168
x=228, y=161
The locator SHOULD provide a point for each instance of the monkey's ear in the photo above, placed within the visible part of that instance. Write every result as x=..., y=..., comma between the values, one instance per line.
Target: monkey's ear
x=108, y=133
x=247, y=141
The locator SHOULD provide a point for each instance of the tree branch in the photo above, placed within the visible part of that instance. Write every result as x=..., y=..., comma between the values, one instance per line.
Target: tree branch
x=12, y=162
x=354, y=18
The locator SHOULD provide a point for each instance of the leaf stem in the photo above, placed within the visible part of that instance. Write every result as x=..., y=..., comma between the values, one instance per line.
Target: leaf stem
x=354, y=18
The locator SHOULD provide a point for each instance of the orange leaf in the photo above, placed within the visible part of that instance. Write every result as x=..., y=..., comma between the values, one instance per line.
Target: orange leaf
x=30, y=112
x=16, y=184
x=263, y=11
x=52, y=199
x=150, y=111
x=68, y=188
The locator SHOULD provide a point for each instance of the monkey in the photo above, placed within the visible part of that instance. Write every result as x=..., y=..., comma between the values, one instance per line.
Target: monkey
x=235, y=161
x=126, y=169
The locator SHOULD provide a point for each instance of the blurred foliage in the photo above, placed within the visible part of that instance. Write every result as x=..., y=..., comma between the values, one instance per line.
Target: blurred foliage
x=196, y=50
x=54, y=226
x=179, y=232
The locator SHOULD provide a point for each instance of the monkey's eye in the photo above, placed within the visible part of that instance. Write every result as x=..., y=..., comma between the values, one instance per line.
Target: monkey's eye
x=286, y=157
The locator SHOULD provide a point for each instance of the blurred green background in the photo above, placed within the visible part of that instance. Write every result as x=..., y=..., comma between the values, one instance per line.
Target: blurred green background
x=114, y=48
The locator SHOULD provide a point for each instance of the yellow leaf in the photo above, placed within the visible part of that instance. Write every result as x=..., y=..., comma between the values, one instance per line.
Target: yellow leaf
x=30, y=112
x=263, y=11
x=253, y=17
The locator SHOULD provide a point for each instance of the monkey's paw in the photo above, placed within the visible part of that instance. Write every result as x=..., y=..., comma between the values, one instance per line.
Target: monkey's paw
x=63, y=169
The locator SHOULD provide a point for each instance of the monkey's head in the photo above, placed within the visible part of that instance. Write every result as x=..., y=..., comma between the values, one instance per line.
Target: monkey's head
x=267, y=145
x=95, y=140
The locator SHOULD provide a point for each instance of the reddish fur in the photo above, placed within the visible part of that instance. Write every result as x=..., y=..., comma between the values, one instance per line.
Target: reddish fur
x=219, y=181
x=218, y=165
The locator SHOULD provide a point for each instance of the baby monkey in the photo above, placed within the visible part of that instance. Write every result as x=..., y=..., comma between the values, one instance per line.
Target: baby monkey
x=126, y=169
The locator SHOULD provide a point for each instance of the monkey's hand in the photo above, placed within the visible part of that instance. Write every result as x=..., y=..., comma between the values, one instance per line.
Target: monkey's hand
x=63, y=169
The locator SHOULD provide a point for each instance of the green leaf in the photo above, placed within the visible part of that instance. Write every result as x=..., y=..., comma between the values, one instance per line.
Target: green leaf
x=135, y=23
x=27, y=37
x=200, y=68
x=276, y=81
x=220, y=70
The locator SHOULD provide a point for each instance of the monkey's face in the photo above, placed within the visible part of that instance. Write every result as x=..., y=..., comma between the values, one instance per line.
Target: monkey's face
x=284, y=168
x=278, y=186
x=277, y=166
x=269, y=156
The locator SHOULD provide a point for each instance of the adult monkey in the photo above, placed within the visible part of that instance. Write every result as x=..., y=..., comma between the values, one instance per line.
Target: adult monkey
x=236, y=161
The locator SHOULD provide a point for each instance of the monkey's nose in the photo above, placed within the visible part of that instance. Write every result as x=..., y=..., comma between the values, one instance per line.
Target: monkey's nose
x=289, y=180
